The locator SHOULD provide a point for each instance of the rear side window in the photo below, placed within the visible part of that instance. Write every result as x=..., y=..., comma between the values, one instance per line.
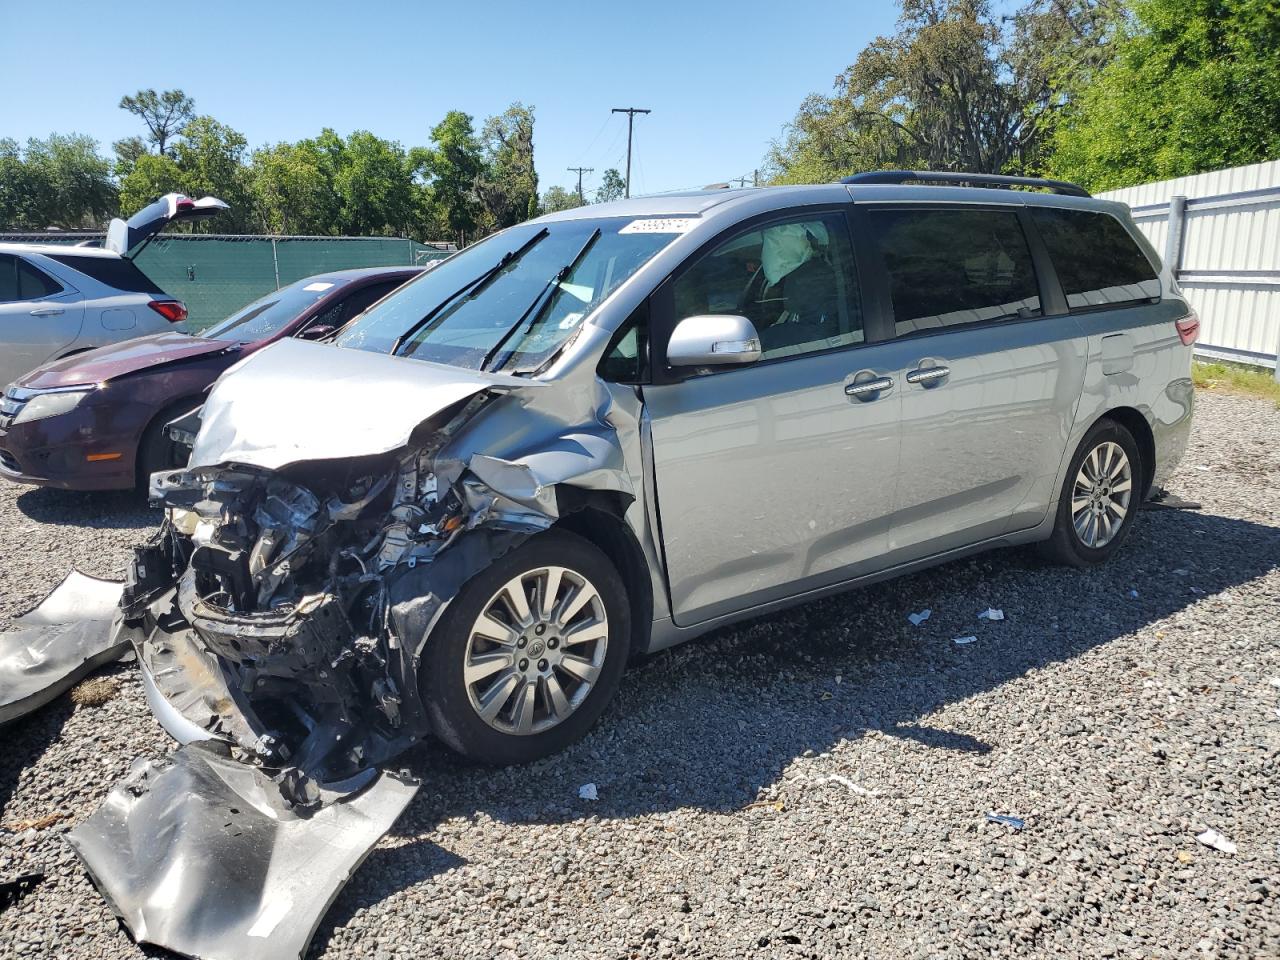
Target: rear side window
x=952, y=267
x=115, y=272
x=1097, y=260
x=19, y=280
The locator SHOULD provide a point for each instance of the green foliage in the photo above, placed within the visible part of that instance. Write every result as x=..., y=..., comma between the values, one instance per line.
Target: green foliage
x=558, y=198
x=952, y=89
x=508, y=185
x=165, y=114
x=612, y=186
x=450, y=168
x=1194, y=86
x=292, y=192
x=152, y=176
x=60, y=181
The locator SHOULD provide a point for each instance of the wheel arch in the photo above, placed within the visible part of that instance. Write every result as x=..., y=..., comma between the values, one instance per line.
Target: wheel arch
x=598, y=520
x=168, y=412
x=1133, y=421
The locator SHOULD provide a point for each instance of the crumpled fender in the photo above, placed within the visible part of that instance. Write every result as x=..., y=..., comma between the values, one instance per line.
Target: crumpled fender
x=67, y=636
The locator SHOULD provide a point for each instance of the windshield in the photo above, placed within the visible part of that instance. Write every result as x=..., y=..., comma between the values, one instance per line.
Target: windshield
x=269, y=315
x=477, y=311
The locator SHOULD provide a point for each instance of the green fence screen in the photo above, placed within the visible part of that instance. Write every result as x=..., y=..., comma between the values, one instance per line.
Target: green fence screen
x=215, y=275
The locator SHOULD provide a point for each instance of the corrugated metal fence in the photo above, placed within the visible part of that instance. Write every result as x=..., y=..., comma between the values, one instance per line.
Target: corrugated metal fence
x=1220, y=234
x=216, y=274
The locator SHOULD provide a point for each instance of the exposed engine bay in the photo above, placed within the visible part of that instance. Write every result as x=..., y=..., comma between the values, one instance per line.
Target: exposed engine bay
x=281, y=610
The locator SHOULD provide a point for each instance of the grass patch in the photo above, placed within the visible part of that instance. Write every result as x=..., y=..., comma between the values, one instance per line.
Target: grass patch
x=1232, y=378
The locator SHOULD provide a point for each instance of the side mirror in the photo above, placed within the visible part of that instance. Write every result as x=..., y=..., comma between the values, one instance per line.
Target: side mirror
x=318, y=332
x=713, y=340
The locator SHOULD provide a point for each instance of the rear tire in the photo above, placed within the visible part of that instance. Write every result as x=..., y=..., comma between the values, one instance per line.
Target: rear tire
x=504, y=674
x=1100, y=497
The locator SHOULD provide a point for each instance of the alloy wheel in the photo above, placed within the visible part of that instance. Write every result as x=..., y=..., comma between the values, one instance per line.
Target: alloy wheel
x=1102, y=494
x=536, y=650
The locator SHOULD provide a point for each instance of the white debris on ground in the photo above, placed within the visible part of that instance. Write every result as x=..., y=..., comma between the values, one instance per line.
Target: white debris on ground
x=1119, y=736
x=919, y=618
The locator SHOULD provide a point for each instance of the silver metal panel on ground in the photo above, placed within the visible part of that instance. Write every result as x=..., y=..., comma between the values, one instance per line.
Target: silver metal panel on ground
x=66, y=637
x=196, y=854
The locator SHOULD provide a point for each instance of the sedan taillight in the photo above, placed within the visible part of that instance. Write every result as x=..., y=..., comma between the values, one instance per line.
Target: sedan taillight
x=1188, y=328
x=175, y=311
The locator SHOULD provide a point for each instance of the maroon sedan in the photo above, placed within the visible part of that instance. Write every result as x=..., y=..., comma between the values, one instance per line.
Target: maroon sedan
x=95, y=421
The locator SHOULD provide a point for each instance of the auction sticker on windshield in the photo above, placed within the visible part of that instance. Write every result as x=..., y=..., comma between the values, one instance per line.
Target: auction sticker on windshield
x=660, y=225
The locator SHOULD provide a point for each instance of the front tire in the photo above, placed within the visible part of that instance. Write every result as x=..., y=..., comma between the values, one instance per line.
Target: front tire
x=1100, y=497
x=529, y=653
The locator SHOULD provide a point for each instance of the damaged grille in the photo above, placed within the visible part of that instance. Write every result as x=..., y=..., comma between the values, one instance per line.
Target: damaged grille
x=11, y=405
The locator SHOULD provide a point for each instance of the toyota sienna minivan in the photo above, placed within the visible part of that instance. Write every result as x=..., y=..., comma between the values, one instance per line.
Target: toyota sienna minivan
x=613, y=428
x=590, y=436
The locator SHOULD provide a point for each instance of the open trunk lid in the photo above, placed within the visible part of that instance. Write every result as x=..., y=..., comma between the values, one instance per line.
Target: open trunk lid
x=127, y=238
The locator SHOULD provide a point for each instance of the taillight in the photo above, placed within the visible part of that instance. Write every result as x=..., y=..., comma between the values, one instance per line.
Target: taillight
x=175, y=311
x=1188, y=328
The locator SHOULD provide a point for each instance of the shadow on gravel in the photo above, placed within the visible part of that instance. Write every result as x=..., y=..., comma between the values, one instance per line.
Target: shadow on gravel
x=25, y=741
x=708, y=724
x=108, y=510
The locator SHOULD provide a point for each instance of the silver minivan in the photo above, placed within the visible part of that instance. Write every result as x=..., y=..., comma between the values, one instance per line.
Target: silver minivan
x=586, y=438
x=614, y=428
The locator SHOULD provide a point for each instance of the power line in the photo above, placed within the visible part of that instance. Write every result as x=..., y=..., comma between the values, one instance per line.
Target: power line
x=631, y=119
x=580, y=171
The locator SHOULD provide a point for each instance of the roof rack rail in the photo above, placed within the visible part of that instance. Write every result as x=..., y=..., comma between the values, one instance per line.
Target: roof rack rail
x=969, y=179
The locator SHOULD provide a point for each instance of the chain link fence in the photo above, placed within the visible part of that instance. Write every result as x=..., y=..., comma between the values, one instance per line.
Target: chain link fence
x=215, y=275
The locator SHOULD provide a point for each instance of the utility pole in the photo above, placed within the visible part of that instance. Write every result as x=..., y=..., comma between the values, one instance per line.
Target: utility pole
x=740, y=181
x=580, y=171
x=631, y=119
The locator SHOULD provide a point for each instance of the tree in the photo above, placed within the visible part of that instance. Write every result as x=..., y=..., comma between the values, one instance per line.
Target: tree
x=165, y=114
x=210, y=156
x=152, y=176
x=612, y=187
x=449, y=169
x=508, y=185
x=127, y=152
x=374, y=186
x=952, y=89
x=291, y=191
x=558, y=198
x=60, y=181
x=1194, y=86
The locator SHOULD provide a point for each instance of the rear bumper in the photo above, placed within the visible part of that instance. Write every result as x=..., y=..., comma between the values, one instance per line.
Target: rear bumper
x=54, y=452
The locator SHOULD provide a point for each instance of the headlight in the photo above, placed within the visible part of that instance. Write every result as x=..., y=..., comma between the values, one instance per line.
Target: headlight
x=50, y=404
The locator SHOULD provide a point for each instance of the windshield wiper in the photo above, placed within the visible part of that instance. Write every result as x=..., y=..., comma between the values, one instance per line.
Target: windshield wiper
x=470, y=287
x=542, y=301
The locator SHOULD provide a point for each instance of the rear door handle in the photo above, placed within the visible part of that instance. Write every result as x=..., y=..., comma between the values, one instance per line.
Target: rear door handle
x=868, y=389
x=48, y=311
x=928, y=375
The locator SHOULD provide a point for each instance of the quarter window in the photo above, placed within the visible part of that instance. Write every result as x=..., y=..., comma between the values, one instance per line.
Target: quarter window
x=19, y=280
x=1096, y=259
x=794, y=279
x=952, y=267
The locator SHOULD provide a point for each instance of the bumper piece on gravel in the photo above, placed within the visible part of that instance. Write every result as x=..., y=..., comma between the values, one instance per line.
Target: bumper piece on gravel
x=66, y=637
x=197, y=854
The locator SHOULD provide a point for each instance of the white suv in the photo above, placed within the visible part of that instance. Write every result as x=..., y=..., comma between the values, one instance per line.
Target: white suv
x=57, y=299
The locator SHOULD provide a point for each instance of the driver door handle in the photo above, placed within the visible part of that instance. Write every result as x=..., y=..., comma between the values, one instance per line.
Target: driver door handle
x=928, y=375
x=48, y=311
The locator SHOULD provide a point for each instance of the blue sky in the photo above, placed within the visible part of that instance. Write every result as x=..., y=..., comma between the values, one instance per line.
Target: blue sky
x=721, y=77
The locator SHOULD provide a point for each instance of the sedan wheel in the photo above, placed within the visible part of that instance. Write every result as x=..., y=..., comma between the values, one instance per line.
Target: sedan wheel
x=536, y=650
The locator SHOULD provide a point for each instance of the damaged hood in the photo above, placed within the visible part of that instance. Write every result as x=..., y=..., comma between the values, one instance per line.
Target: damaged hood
x=300, y=401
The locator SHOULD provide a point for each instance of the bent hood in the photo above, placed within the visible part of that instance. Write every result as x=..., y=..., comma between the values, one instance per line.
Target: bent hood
x=297, y=400
x=119, y=359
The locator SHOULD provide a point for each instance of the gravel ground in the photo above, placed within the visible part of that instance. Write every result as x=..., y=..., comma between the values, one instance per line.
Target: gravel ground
x=815, y=783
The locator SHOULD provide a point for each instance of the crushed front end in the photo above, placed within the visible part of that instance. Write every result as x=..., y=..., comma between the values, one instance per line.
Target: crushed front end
x=283, y=611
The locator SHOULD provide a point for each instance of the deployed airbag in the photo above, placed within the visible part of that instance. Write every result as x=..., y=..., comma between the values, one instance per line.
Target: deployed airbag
x=66, y=637
x=197, y=854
